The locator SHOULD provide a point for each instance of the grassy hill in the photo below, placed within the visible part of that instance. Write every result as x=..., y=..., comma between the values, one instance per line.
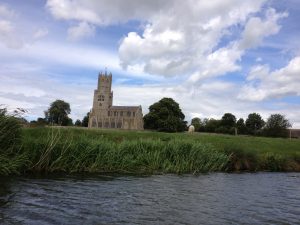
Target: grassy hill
x=87, y=150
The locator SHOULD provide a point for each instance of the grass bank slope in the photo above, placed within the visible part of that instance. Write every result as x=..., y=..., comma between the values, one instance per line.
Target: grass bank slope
x=83, y=150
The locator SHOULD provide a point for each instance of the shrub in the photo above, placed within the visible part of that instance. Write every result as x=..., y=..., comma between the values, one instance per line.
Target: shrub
x=10, y=131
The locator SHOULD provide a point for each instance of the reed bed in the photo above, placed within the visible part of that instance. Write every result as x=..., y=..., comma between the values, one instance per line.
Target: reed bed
x=71, y=150
x=65, y=152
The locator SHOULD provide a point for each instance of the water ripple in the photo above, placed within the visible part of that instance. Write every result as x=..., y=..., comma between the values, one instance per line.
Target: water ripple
x=218, y=198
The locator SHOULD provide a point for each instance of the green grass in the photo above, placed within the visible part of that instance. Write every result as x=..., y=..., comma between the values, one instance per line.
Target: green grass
x=89, y=150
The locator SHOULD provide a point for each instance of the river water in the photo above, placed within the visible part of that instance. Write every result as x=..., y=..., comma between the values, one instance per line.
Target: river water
x=216, y=198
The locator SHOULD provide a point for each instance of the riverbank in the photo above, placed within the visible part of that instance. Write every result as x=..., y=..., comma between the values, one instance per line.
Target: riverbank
x=73, y=150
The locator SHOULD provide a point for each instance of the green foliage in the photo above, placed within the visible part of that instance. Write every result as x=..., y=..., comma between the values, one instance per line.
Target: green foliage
x=10, y=131
x=224, y=130
x=85, y=120
x=196, y=122
x=241, y=127
x=11, y=160
x=68, y=151
x=254, y=123
x=274, y=162
x=211, y=125
x=241, y=159
x=165, y=115
x=276, y=126
x=67, y=122
x=228, y=120
x=82, y=150
x=77, y=123
x=40, y=122
x=58, y=113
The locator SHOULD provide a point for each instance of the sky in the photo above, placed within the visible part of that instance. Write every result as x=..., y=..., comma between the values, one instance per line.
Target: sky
x=212, y=57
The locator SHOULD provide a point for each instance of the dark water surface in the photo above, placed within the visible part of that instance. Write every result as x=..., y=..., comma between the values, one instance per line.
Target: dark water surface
x=217, y=198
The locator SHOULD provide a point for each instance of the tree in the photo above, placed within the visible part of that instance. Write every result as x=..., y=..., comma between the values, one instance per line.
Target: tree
x=276, y=126
x=85, y=120
x=68, y=122
x=78, y=123
x=196, y=122
x=58, y=113
x=211, y=125
x=241, y=127
x=254, y=123
x=39, y=122
x=228, y=120
x=165, y=115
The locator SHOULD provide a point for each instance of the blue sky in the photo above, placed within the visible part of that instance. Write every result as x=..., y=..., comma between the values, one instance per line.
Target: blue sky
x=212, y=57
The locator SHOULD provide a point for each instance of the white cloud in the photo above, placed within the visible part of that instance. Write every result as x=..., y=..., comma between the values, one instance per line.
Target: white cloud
x=8, y=31
x=80, y=31
x=40, y=33
x=32, y=89
x=8, y=35
x=51, y=53
x=179, y=37
x=256, y=28
x=258, y=72
x=263, y=84
x=105, y=12
x=6, y=12
x=171, y=46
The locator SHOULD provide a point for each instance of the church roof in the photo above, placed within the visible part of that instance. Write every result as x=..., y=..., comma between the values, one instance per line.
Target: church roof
x=125, y=107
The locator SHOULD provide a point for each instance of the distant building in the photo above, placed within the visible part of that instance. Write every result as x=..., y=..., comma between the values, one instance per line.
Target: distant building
x=105, y=115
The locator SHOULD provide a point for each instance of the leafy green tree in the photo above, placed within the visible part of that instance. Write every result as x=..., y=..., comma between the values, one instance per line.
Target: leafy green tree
x=85, y=120
x=254, y=123
x=211, y=125
x=196, y=122
x=68, y=122
x=58, y=113
x=165, y=115
x=241, y=127
x=276, y=126
x=78, y=123
x=228, y=120
x=39, y=122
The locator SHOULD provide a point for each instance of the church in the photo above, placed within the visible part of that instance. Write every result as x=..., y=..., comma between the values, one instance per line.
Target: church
x=105, y=115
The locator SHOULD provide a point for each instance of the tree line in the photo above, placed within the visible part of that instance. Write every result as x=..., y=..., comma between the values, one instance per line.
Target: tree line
x=58, y=114
x=166, y=116
x=276, y=125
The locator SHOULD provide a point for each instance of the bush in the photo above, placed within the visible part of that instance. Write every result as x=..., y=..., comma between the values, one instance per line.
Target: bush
x=273, y=162
x=276, y=126
x=10, y=131
x=241, y=159
x=11, y=161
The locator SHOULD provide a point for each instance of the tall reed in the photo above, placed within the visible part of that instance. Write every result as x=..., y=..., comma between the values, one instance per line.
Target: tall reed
x=57, y=152
x=11, y=159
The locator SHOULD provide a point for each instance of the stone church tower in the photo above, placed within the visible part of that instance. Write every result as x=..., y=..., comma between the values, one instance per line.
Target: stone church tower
x=105, y=115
